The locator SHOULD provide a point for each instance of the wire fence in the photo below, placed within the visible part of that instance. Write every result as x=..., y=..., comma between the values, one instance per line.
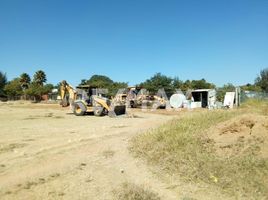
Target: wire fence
x=245, y=95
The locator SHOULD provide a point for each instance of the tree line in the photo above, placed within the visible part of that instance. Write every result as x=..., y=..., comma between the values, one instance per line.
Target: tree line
x=36, y=87
x=171, y=85
x=25, y=86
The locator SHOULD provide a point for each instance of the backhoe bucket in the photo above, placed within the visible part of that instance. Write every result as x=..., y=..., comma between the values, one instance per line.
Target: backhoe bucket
x=118, y=110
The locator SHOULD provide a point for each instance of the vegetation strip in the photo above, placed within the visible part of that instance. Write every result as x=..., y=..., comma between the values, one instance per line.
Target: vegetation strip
x=182, y=147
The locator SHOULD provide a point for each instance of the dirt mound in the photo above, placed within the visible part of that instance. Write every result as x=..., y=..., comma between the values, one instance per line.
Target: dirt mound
x=243, y=125
x=242, y=134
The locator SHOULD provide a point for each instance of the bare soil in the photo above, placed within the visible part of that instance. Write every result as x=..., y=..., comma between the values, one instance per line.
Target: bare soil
x=237, y=135
x=48, y=153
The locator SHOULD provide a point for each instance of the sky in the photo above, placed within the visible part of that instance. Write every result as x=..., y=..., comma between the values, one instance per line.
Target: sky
x=223, y=41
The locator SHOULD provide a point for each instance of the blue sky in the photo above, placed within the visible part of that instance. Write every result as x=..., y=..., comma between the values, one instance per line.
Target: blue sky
x=130, y=40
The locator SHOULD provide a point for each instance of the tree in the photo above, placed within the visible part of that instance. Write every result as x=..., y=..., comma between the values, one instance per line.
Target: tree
x=262, y=80
x=39, y=78
x=48, y=88
x=83, y=82
x=187, y=85
x=13, y=88
x=177, y=84
x=159, y=81
x=104, y=82
x=202, y=84
x=251, y=87
x=100, y=81
x=229, y=87
x=36, y=91
x=3, y=82
x=25, y=80
x=113, y=89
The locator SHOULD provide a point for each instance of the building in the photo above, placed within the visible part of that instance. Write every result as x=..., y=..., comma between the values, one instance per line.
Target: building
x=203, y=98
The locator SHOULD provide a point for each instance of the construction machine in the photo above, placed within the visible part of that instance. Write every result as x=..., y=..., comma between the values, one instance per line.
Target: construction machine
x=67, y=93
x=138, y=96
x=87, y=99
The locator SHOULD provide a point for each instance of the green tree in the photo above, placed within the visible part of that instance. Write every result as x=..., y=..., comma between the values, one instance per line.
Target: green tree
x=13, y=88
x=39, y=78
x=113, y=89
x=36, y=91
x=159, y=81
x=251, y=87
x=202, y=84
x=229, y=87
x=100, y=81
x=25, y=80
x=3, y=82
x=177, y=84
x=187, y=85
x=104, y=82
x=262, y=80
x=83, y=82
x=48, y=88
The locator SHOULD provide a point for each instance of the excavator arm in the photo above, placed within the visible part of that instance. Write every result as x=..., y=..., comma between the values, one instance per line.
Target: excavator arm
x=65, y=89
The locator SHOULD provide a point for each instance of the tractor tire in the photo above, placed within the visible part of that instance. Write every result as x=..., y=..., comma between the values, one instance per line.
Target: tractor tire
x=78, y=111
x=133, y=104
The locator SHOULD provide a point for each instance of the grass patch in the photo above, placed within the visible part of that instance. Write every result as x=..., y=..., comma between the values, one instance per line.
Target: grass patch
x=108, y=153
x=29, y=184
x=10, y=147
x=118, y=126
x=129, y=191
x=181, y=147
x=259, y=106
x=30, y=118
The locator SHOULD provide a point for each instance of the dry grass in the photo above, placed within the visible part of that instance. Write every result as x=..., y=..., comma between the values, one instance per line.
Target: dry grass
x=108, y=153
x=129, y=191
x=10, y=147
x=256, y=106
x=182, y=147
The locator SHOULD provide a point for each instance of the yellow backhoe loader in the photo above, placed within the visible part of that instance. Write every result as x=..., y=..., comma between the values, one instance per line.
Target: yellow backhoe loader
x=137, y=96
x=86, y=99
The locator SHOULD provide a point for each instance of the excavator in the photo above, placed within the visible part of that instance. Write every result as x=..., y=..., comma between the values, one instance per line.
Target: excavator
x=137, y=96
x=86, y=99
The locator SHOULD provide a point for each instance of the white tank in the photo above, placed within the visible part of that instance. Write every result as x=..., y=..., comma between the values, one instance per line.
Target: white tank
x=176, y=100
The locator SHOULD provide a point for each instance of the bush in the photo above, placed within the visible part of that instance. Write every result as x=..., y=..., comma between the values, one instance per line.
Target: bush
x=13, y=88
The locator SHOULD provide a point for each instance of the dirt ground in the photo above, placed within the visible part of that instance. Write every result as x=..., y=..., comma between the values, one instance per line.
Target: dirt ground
x=237, y=135
x=48, y=153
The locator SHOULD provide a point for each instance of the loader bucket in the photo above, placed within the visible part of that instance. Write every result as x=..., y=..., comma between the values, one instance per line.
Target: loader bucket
x=118, y=110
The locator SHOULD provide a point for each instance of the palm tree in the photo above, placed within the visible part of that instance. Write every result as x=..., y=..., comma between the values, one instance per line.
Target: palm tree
x=40, y=78
x=25, y=80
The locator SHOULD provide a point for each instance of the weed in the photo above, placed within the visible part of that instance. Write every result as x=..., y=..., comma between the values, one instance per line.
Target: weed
x=129, y=191
x=29, y=184
x=55, y=175
x=108, y=153
x=10, y=147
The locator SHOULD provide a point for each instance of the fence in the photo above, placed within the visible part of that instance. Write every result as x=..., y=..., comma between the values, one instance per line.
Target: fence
x=253, y=95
